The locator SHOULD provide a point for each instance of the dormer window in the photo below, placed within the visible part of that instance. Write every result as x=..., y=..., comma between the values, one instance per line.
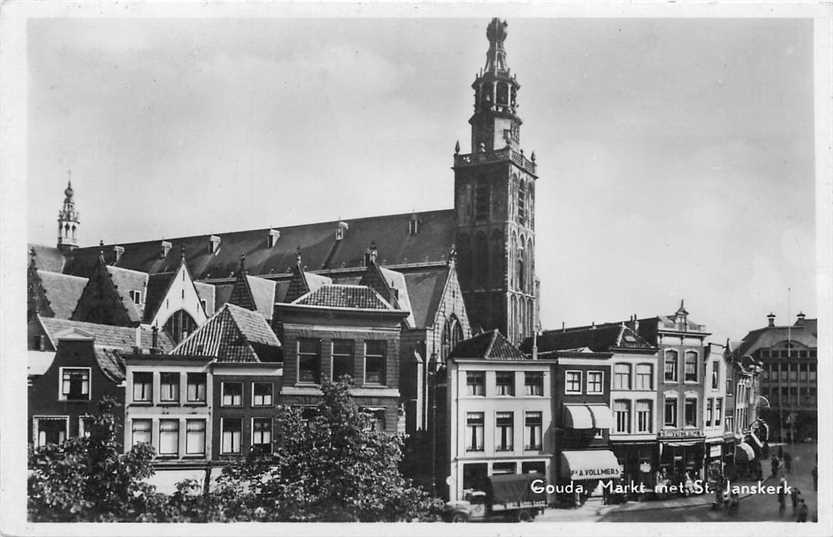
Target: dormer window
x=165, y=247
x=213, y=244
x=274, y=235
x=413, y=225
x=118, y=251
x=340, y=230
x=136, y=296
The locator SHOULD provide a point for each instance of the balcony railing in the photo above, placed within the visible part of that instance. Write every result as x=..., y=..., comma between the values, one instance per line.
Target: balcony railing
x=507, y=153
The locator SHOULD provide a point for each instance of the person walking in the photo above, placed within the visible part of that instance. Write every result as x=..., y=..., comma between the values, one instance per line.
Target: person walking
x=782, y=501
x=775, y=464
x=802, y=512
x=795, y=496
x=788, y=462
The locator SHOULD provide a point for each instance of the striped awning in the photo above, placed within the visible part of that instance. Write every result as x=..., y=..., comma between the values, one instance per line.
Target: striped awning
x=744, y=453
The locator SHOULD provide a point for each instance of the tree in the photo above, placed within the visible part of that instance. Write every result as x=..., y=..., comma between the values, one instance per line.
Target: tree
x=89, y=479
x=330, y=467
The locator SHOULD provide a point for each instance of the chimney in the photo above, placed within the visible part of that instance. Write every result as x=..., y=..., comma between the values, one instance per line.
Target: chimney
x=139, y=337
x=371, y=254
x=341, y=229
x=154, y=338
x=165, y=248
x=593, y=326
x=771, y=319
x=213, y=244
x=117, y=251
x=800, y=317
x=534, y=344
x=563, y=326
x=274, y=235
x=41, y=342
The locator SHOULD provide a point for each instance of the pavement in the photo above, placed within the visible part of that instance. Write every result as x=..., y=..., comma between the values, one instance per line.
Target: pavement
x=753, y=507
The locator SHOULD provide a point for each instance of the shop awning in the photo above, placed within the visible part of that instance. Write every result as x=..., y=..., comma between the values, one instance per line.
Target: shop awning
x=744, y=453
x=602, y=417
x=590, y=464
x=577, y=417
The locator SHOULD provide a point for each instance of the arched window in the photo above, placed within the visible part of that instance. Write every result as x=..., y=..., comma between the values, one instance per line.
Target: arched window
x=179, y=326
x=521, y=202
x=481, y=260
x=452, y=335
x=513, y=322
x=530, y=270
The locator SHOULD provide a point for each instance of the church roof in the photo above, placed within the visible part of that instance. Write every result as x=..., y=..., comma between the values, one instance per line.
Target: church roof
x=48, y=258
x=127, y=280
x=62, y=291
x=317, y=243
x=207, y=292
x=157, y=288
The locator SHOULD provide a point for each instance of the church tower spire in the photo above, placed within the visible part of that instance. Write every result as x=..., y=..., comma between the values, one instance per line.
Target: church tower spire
x=494, y=198
x=68, y=219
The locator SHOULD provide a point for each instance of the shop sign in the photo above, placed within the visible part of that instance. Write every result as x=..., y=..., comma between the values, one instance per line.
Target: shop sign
x=680, y=433
x=594, y=473
x=715, y=450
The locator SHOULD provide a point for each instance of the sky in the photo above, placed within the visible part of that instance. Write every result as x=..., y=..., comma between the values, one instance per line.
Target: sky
x=675, y=156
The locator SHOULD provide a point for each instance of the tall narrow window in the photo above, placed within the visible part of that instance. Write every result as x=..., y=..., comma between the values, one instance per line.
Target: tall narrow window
x=475, y=383
x=622, y=410
x=261, y=394
x=141, y=431
x=481, y=200
x=690, y=366
x=691, y=412
x=342, y=358
x=718, y=410
x=644, y=377
x=230, y=436
x=474, y=431
x=671, y=359
x=572, y=382
x=622, y=377
x=262, y=434
x=309, y=361
x=374, y=362
x=168, y=438
x=534, y=383
x=521, y=202
x=715, y=374
x=505, y=383
x=142, y=387
x=504, y=431
x=195, y=437
x=709, y=411
x=671, y=412
x=75, y=383
x=643, y=417
x=168, y=387
x=532, y=433
x=196, y=387
x=232, y=393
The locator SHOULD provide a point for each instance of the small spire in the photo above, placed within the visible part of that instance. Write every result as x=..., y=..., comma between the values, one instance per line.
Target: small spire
x=182, y=254
x=532, y=156
x=457, y=148
x=298, y=256
x=101, y=249
x=496, y=56
x=243, y=264
x=452, y=255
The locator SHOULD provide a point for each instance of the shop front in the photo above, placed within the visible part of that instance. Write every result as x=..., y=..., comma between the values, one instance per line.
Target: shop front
x=681, y=454
x=585, y=471
x=714, y=461
x=638, y=462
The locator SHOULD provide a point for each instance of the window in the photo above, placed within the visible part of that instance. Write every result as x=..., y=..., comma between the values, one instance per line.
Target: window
x=135, y=296
x=262, y=434
x=374, y=362
x=622, y=377
x=475, y=383
x=572, y=382
x=141, y=431
x=644, y=377
x=812, y=370
x=715, y=375
x=690, y=412
x=671, y=359
x=309, y=361
x=709, y=411
x=505, y=382
x=452, y=333
x=534, y=383
x=502, y=468
x=51, y=430
x=793, y=372
x=594, y=382
x=168, y=437
x=142, y=387
x=521, y=202
x=481, y=200
x=195, y=437
x=729, y=390
x=671, y=412
x=75, y=383
x=85, y=424
x=377, y=418
x=622, y=410
x=643, y=417
x=690, y=366
x=342, y=358
x=196, y=387
x=169, y=387
x=504, y=431
x=534, y=467
x=729, y=422
x=532, y=432
x=232, y=393
x=230, y=435
x=474, y=431
x=718, y=410
x=261, y=394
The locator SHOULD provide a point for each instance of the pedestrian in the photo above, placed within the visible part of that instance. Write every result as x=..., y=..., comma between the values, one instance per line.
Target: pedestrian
x=802, y=512
x=782, y=502
x=775, y=465
x=788, y=461
x=795, y=496
x=815, y=473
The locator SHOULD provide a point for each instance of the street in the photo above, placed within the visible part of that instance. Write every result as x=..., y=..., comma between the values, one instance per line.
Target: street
x=753, y=507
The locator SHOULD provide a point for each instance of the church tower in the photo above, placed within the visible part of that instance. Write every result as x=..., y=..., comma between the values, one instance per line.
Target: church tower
x=68, y=221
x=494, y=198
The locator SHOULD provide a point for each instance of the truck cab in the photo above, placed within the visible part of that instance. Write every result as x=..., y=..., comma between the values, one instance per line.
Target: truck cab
x=508, y=497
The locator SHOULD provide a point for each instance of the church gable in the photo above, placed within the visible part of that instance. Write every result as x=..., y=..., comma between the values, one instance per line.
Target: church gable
x=171, y=293
x=101, y=302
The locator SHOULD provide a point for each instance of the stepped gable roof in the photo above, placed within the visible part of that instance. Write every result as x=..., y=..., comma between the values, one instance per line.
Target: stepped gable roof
x=157, y=287
x=491, y=345
x=49, y=258
x=606, y=337
x=206, y=292
x=317, y=243
x=106, y=336
x=233, y=334
x=62, y=291
x=127, y=280
x=344, y=297
x=804, y=334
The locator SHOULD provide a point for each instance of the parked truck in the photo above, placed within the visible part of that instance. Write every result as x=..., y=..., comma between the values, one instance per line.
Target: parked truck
x=507, y=497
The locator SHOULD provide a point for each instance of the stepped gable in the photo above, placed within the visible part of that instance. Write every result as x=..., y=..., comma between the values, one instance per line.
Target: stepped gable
x=63, y=291
x=318, y=244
